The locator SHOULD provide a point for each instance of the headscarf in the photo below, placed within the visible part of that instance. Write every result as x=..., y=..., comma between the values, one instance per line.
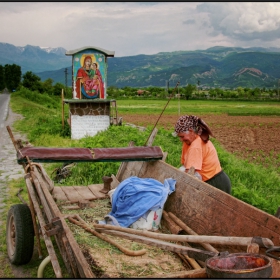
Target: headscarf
x=195, y=123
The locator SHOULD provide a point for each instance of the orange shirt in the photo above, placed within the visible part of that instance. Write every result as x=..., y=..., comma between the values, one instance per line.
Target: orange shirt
x=202, y=156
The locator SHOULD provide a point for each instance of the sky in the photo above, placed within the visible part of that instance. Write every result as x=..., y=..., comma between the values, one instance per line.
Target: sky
x=133, y=28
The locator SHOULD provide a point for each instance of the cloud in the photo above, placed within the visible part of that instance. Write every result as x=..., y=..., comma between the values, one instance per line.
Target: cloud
x=132, y=28
x=244, y=21
x=189, y=21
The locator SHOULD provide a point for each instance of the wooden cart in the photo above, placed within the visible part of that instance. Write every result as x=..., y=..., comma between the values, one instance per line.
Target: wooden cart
x=206, y=214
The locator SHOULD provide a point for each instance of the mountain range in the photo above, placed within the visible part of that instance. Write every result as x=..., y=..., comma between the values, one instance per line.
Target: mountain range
x=224, y=67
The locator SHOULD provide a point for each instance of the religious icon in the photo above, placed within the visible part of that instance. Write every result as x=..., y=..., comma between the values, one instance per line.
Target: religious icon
x=89, y=83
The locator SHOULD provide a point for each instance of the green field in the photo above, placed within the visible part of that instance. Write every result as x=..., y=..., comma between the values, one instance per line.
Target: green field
x=200, y=107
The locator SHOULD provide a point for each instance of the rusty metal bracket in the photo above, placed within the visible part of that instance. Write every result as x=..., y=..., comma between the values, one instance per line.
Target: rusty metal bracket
x=54, y=227
x=107, y=184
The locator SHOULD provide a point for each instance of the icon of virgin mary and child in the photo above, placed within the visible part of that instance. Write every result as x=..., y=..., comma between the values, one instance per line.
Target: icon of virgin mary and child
x=89, y=83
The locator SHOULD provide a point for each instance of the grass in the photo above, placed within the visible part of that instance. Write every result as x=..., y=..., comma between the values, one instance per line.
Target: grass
x=42, y=125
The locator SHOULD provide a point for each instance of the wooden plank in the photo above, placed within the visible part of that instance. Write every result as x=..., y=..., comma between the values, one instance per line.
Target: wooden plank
x=47, y=239
x=123, y=165
x=210, y=211
x=132, y=169
x=82, y=265
x=58, y=194
x=151, y=138
x=72, y=194
x=164, y=156
x=95, y=189
x=205, y=208
x=84, y=192
x=115, y=182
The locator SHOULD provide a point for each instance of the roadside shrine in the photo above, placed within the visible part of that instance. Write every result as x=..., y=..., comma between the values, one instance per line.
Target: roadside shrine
x=89, y=109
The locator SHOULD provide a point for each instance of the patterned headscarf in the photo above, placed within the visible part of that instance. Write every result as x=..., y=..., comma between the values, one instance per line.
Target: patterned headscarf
x=195, y=123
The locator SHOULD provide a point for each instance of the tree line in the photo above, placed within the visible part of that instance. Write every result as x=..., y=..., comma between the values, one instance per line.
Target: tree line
x=11, y=78
x=191, y=91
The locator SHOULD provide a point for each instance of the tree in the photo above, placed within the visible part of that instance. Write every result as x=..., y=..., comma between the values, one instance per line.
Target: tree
x=240, y=91
x=57, y=89
x=2, y=80
x=212, y=93
x=219, y=92
x=32, y=81
x=12, y=76
x=189, y=89
x=256, y=92
x=112, y=91
x=48, y=86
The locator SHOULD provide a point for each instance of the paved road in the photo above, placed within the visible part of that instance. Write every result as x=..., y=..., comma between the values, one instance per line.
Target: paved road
x=4, y=102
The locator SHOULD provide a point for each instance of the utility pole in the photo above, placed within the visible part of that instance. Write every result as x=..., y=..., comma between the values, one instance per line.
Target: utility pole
x=65, y=71
x=198, y=83
x=278, y=89
x=167, y=86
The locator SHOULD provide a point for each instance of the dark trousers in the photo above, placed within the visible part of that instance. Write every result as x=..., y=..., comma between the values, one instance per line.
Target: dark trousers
x=220, y=181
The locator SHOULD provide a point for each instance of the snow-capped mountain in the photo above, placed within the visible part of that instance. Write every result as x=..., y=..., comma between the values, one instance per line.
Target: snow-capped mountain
x=34, y=58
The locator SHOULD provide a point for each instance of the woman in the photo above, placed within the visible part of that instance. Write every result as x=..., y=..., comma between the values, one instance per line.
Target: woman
x=82, y=77
x=199, y=152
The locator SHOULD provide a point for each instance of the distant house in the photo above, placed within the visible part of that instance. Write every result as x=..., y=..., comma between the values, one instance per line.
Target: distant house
x=141, y=92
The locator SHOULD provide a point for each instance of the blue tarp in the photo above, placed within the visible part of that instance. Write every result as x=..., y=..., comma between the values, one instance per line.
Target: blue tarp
x=135, y=196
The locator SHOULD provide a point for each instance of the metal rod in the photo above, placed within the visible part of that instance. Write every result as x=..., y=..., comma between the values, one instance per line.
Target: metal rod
x=162, y=112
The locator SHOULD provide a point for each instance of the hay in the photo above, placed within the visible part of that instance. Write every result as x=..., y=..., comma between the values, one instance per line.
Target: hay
x=106, y=259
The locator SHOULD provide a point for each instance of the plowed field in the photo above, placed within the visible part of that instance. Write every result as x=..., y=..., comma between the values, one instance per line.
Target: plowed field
x=249, y=137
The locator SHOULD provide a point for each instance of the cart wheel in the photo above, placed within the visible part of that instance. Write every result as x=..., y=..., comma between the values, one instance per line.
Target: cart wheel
x=19, y=234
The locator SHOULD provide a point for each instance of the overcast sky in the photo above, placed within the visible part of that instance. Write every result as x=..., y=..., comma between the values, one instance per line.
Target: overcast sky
x=132, y=28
